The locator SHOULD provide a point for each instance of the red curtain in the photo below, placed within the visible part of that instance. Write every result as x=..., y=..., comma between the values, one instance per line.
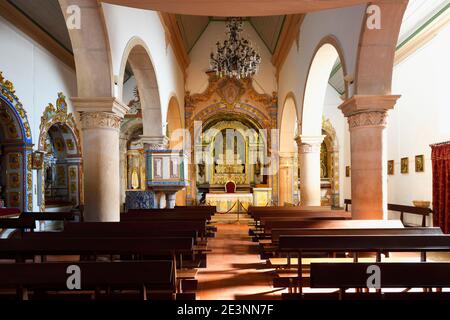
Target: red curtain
x=440, y=157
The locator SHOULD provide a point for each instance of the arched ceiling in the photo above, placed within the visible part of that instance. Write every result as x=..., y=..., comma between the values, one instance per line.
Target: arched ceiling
x=268, y=28
x=236, y=8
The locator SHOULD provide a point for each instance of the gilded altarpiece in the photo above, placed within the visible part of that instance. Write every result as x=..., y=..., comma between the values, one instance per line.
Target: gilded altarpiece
x=60, y=172
x=231, y=104
x=16, y=178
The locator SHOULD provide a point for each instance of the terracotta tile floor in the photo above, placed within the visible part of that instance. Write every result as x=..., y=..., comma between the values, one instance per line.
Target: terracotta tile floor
x=235, y=270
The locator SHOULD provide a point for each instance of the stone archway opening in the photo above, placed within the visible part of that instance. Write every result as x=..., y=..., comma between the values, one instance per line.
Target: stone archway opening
x=327, y=57
x=288, y=172
x=60, y=178
x=176, y=135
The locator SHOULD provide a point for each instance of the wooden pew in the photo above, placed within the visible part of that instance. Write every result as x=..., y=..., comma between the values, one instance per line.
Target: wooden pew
x=46, y=280
x=22, y=223
x=187, y=211
x=283, y=262
x=277, y=233
x=333, y=224
x=49, y=216
x=128, y=229
x=392, y=275
x=176, y=216
x=362, y=243
x=21, y=249
x=326, y=224
x=306, y=213
x=197, y=225
x=424, y=212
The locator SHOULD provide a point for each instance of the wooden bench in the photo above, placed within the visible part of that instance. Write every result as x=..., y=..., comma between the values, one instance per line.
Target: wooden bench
x=424, y=212
x=392, y=275
x=49, y=216
x=21, y=249
x=22, y=223
x=286, y=263
x=362, y=243
x=98, y=280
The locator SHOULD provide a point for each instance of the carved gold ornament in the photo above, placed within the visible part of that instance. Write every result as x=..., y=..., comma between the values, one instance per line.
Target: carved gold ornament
x=8, y=91
x=53, y=115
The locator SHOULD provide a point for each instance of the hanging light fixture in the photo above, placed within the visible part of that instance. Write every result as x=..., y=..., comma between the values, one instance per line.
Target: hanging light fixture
x=235, y=57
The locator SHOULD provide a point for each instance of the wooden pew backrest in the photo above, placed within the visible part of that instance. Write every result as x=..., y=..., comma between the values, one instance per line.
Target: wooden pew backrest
x=392, y=275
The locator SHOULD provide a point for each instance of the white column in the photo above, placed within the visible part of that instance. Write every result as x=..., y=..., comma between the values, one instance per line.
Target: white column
x=367, y=117
x=310, y=170
x=101, y=119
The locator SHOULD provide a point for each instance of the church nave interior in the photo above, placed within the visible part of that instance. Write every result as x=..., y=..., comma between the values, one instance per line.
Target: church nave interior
x=222, y=150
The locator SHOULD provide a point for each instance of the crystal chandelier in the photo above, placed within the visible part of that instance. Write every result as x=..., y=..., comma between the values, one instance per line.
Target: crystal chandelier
x=235, y=58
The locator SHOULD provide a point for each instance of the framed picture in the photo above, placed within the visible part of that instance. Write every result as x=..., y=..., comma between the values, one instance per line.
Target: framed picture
x=347, y=171
x=419, y=163
x=390, y=166
x=157, y=168
x=404, y=165
x=38, y=160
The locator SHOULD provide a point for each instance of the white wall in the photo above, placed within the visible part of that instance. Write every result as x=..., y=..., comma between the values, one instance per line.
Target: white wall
x=37, y=76
x=197, y=80
x=420, y=118
x=123, y=24
x=344, y=24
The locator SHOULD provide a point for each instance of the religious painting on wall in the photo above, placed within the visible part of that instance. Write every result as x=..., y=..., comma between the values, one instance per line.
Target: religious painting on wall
x=419, y=163
x=14, y=199
x=390, y=167
x=38, y=160
x=347, y=171
x=59, y=144
x=404, y=165
x=13, y=180
x=61, y=175
x=70, y=144
x=14, y=161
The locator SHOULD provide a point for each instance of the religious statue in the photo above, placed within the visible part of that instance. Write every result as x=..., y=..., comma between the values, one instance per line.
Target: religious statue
x=201, y=169
x=134, y=179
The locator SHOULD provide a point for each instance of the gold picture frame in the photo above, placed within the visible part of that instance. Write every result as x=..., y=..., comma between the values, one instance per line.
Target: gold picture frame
x=419, y=163
x=390, y=167
x=37, y=160
x=404, y=165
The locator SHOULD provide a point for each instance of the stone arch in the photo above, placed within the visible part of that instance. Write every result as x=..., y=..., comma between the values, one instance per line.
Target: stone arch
x=91, y=49
x=288, y=171
x=174, y=129
x=332, y=147
x=138, y=56
x=16, y=150
x=176, y=135
x=376, y=53
x=327, y=52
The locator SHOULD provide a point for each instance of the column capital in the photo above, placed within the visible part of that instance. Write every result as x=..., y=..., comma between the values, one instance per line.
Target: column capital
x=100, y=104
x=308, y=144
x=368, y=111
x=100, y=112
x=155, y=142
x=360, y=103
